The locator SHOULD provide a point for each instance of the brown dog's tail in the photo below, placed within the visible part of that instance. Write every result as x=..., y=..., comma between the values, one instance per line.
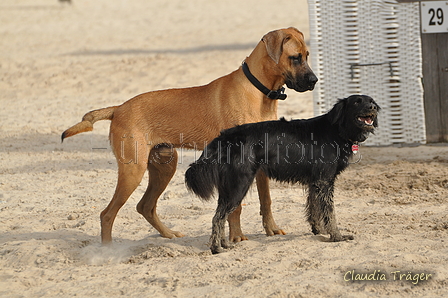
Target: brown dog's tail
x=87, y=121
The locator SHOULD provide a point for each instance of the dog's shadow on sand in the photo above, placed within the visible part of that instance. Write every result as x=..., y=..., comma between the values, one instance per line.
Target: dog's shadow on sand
x=260, y=241
x=154, y=246
x=77, y=247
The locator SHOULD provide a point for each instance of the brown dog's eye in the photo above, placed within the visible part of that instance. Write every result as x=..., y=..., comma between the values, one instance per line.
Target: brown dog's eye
x=296, y=59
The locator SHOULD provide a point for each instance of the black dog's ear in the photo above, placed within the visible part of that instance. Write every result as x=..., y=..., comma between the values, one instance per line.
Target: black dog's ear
x=378, y=109
x=336, y=114
x=375, y=122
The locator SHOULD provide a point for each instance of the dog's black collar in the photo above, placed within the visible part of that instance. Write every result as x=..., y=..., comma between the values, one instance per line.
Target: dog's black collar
x=279, y=94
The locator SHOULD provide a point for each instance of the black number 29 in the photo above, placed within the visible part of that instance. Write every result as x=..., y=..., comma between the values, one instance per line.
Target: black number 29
x=436, y=14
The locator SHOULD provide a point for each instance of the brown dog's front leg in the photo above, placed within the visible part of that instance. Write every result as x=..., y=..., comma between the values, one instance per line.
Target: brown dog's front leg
x=235, y=232
x=269, y=224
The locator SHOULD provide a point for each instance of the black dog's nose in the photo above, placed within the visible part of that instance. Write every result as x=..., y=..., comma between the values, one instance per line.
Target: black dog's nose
x=373, y=106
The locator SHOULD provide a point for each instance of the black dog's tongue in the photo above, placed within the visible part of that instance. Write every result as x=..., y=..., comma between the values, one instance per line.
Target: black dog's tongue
x=367, y=120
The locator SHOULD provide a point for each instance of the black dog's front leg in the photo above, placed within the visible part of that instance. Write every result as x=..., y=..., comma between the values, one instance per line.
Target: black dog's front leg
x=320, y=208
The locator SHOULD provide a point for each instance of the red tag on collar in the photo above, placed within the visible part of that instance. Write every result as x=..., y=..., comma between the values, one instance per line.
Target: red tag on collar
x=355, y=148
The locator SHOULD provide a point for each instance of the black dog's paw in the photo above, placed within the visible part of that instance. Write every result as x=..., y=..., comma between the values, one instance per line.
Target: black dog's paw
x=317, y=230
x=217, y=250
x=348, y=237
x=225, y=246
x=339, y=238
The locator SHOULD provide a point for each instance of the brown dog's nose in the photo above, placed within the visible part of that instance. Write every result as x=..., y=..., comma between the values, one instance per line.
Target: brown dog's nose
x=312, y=79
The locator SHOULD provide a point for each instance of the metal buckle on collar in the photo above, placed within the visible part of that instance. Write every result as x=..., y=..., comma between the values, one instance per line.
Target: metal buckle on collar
x=277, y=94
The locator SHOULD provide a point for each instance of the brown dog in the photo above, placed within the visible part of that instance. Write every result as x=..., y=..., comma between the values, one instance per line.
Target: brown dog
x=145, y=129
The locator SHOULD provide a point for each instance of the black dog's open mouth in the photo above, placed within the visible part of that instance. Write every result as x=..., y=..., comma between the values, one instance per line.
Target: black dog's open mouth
x=366, y=119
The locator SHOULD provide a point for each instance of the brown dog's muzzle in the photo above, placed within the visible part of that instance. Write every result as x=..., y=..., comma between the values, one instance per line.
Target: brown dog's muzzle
x=312, y=80
x=302, y=83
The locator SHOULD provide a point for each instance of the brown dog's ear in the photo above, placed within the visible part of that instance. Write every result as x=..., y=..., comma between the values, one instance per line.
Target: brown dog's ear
x=274, y=44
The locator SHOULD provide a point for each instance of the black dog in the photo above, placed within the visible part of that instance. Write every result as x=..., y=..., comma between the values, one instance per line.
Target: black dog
x=312, y=152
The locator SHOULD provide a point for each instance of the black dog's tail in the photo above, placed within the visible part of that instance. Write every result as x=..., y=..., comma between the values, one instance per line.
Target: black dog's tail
x=202, y=179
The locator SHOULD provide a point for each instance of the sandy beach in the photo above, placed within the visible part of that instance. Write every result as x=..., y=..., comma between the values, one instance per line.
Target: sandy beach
x=59, y=61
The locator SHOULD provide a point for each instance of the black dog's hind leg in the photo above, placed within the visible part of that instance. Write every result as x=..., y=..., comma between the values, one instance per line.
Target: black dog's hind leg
x=230, y=197
x=313, y=210
x=225, y=207
x=218, y=238
x=320, y=208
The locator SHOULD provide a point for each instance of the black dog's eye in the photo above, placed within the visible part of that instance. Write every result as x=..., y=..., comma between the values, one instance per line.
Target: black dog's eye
x=358, y=100
x=296, y=59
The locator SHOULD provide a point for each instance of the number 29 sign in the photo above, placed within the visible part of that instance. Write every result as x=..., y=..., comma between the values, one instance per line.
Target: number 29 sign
x=434, y=16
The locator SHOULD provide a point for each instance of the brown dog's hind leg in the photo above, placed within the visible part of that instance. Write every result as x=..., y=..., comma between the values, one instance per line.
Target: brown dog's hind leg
x=269, y=224
x=129, y=177
x=161, y=168
x=235, y=232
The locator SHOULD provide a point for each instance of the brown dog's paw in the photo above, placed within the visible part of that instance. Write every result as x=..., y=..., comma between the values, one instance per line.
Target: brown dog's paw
x=172, y=234
x=238, y=238
x=272, y=229
x=275, y=232
x=236, y=235
x=178, y=234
